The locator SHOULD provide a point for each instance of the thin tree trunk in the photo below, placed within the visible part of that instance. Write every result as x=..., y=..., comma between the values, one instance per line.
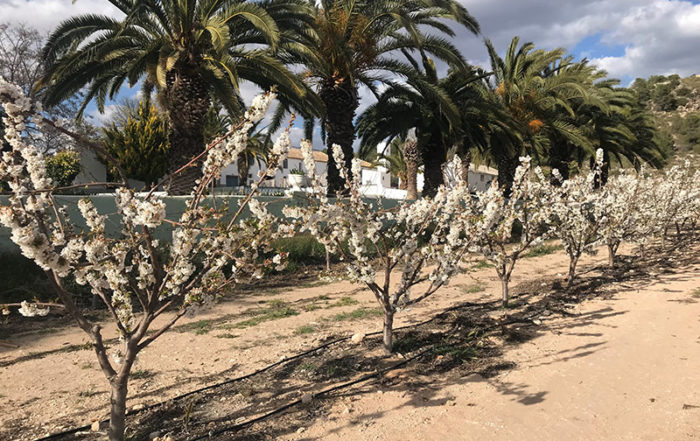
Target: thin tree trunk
x=187, y=101
x=117, y=413
x=611, y=255
x=572, y=270
x=341, y=101
x=504, y=291
x=388, y=335
x=410, y=154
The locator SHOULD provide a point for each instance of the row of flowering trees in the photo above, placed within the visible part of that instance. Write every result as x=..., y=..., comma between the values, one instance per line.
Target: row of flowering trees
x=403, y=255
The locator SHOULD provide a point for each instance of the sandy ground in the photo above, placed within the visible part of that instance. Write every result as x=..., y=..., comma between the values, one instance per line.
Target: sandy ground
x=626, y=367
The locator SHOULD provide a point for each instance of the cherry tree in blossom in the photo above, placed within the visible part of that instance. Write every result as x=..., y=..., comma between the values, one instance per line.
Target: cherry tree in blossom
x=421, y=243
x=139, y=279
x=577, y=214
x=530, y=205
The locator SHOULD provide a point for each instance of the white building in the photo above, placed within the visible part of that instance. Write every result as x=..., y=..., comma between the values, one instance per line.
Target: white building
x=479, y=178
x=374, y=179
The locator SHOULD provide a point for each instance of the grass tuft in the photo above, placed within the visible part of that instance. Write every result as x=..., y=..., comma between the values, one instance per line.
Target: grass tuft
x=358, y=314
x=140, y=374
x=343, y=301
x=543, y=250
x=277, y=309
x=473, y=288
x=306, y=329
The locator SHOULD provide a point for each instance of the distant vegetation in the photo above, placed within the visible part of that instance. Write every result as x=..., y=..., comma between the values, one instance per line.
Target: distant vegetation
x=675, y=104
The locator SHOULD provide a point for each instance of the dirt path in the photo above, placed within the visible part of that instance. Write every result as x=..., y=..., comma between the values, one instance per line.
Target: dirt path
x=626, y=367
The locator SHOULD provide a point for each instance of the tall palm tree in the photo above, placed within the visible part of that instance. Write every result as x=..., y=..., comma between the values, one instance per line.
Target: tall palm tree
x=438, y=109
x=536, y=95
x=187, y=50
x=357, y=42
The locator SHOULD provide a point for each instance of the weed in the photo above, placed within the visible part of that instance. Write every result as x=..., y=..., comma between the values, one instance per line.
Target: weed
x=406, y=344
x=358, y=314
x=306, y=329
x=87, y=365
x=226, y=335
x=277, y=309
x=74, y=348
x=141, y=374
x=543, y=250
x=482, y=264
x=343, y=301
x=312, y=307
x=88, y=393
x=473, y=288
x=696, y=293
x=456, y=352
x=199, y=327
x=308, y=367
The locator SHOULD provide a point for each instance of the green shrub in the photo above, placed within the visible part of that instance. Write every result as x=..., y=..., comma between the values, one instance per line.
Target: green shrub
x=63, y=167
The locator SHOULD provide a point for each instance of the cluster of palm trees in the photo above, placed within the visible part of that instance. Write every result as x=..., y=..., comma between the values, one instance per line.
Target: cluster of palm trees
x=317, y=54
x=537, y=102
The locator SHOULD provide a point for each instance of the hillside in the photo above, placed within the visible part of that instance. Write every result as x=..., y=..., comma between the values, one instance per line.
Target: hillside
x=675, y=104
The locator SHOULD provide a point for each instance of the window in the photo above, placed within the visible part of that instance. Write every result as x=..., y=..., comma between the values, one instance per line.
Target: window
x=481, y=178
x=231, y=181
x=285, y=164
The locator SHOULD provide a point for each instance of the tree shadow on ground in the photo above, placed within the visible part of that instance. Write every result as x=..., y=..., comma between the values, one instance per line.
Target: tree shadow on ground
x=463, y=344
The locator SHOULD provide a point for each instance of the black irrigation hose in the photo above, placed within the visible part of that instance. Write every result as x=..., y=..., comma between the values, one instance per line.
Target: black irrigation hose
x=244, y=424
x=265, y=369
x=239, y=426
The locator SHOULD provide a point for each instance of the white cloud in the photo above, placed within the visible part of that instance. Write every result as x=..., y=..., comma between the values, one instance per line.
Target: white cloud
x=661, y=38
x=658, y=36
x=100, y=119
x=650, y=36
x=45, y=15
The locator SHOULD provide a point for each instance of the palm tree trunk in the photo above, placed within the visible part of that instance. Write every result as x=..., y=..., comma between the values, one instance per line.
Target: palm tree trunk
x=466, y=162
x=410, y=155
x=433, y=156
x=243, y=165
x=187, y=101
x=605, y=170
x=506, y=173
x=341, y=102
x=557, y=161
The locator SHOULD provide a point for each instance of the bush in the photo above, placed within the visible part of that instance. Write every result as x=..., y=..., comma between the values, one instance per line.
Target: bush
x=22, y=279
x=302, y=249
x=63, y=167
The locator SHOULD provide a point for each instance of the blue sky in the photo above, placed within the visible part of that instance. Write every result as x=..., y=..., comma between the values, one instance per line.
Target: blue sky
x=628, y=38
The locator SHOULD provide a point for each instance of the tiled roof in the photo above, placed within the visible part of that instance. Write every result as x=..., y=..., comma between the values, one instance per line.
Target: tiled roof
x=295, y=153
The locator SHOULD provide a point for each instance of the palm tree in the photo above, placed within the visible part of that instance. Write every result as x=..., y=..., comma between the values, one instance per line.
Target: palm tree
x=612, y=119
x=438, y=109
x=535, y=91
x=187, y=50
x=356, y=42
